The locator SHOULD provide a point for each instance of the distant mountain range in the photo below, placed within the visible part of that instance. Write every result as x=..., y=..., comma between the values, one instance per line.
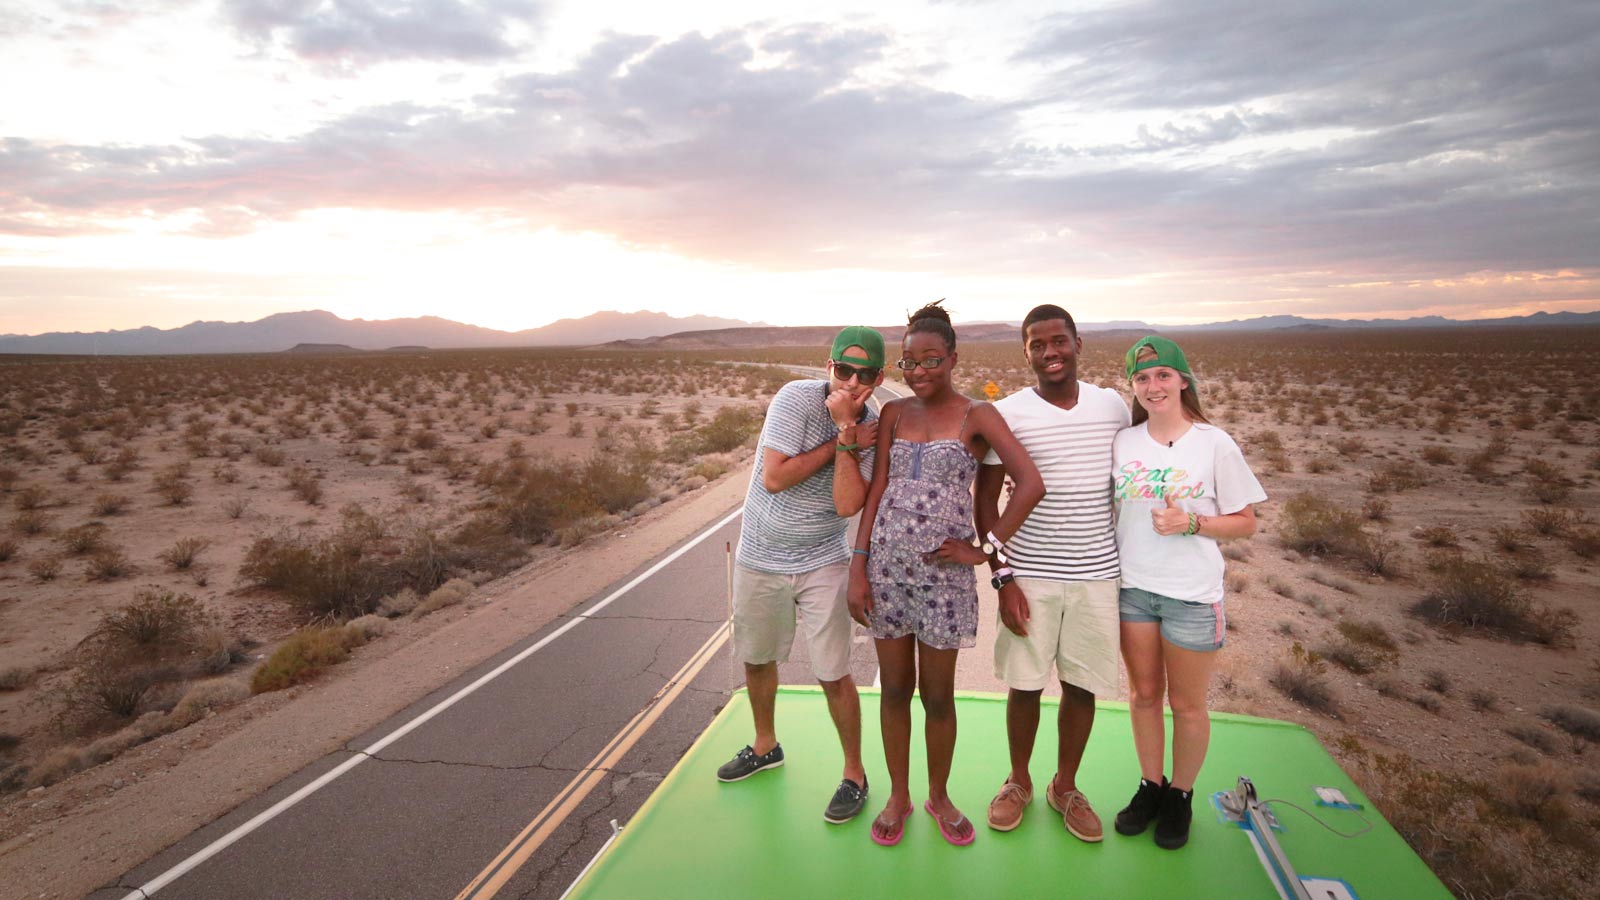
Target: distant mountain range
x=318, y=330
x=287, y=330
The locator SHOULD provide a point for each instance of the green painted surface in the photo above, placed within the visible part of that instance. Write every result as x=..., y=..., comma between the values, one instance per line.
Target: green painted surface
x=765, y=837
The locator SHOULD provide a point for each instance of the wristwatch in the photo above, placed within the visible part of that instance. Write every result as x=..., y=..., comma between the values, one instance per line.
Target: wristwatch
x=992, y=546
x=1001, y=577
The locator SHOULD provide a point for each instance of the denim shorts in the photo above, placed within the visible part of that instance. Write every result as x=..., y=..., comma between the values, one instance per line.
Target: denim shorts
x=1184, y=623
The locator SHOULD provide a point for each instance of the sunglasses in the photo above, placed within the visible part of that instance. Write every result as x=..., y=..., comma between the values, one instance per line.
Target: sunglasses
x=931, y=362
x=862, y=374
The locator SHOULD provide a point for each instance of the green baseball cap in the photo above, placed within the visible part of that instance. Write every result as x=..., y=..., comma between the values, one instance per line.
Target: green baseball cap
x=1167, y=352
x=861, y=336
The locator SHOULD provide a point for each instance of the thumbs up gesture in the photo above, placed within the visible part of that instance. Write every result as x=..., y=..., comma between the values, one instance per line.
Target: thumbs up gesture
x=1171, y=519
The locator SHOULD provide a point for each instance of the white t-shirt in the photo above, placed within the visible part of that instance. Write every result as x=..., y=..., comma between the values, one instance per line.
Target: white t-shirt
x=1206, y=473
x=1069, y=536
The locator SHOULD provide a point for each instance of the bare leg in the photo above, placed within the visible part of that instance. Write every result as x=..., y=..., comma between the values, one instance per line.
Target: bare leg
x=897, y=666
x=938, y=688
x=844, y=704
x=1073, y=725
x=1188, y=677
x=1022, y=729
x=761, y=681
x=1147, y=682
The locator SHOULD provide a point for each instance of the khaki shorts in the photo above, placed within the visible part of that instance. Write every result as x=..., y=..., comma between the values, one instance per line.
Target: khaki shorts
x=764, y=608
x=1072, y=625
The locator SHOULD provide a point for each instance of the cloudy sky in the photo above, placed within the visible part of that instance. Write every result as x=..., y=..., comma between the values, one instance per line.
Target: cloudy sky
x=511, y=162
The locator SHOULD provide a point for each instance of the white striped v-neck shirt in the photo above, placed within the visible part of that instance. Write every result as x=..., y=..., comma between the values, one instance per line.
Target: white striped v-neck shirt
x=1070, y=535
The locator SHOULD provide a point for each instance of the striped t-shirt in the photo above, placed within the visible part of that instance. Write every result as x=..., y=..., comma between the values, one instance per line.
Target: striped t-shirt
x=1070, y=535
x=796, y=530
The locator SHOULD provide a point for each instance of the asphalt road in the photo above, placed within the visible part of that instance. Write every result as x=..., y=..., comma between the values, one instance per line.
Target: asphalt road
x=424, y=815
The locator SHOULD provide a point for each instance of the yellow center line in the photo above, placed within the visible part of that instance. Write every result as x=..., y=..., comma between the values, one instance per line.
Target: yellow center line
x=508, y=861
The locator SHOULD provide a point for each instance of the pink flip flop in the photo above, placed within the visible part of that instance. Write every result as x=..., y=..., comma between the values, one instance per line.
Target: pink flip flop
x=898, y=834
x=946, y=834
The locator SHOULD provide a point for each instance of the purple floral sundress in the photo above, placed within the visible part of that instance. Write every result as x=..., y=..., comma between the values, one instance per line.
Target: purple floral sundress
x=928, y=499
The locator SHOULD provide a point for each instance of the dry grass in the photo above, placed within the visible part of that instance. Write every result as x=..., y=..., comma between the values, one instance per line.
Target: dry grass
x=304, y=656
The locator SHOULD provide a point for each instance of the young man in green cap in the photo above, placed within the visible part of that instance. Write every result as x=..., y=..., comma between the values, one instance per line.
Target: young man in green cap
x=812, y=468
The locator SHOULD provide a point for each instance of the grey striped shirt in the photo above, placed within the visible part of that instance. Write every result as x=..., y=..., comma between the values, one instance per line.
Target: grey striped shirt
x=796, y=530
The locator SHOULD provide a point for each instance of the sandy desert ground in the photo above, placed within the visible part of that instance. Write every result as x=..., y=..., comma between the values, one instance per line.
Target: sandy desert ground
x=1422, y=595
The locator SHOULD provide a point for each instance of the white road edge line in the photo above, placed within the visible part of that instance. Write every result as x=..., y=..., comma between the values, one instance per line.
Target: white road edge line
x=217, y=846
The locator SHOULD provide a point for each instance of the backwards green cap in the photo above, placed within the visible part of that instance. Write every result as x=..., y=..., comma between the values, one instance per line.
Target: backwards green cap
x=861, y=336
x=1168, y=354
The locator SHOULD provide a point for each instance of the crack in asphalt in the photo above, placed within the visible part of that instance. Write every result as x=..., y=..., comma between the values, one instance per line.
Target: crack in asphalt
x=539, y=766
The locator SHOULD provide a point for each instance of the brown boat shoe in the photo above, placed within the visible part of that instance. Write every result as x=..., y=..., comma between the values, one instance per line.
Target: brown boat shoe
x=1076, y=814
x=1007, y=807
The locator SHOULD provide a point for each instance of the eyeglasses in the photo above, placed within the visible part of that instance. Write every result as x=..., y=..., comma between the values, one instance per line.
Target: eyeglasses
x=928, y=362
x=862, y=374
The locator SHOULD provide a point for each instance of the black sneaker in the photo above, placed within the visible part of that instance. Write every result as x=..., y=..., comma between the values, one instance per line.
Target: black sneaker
x=848, y=799
x=746, y=763
x=1135, y=817
x=1172, y=822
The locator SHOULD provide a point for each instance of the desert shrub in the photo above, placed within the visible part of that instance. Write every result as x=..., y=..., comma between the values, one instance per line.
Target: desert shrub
x=1313, y=525
x=1371, y=634
x=1376, y=509
x=1301, y=679
x=82, y=539
x=268, y=455
x=340, y=575
x=614, y=485
x=1318, y=465
x=1584, y=542
x=1396, y=476
x=203, y=697
x=155, y=623
x=1376, y=554
x=1476, y=596
x=533, y=500
x=1437, y=681
x=1551, y=522
x=182, y=554
x=305, y=484
x=1435, y=455
x=235, y=507
x=1438, y=536
x=31, y=497
x=1427, y=702
x=448, y=594
x=369, y=626
x=1574, y=720
x=303, y=656
x=1482, y=700
x=107, y=563
x=1535, y=737
x=15, y=678
x=1352, y=657
x=8, y=549
x=399, y=603
x=172, y=483
x=1338, y=584
x=1509, y=539
x=44, y=568
x=30, y=523
x=109, y=504
x=1530, y=565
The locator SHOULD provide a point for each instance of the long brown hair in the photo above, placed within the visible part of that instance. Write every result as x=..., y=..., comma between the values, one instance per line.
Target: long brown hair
x=1187, y=397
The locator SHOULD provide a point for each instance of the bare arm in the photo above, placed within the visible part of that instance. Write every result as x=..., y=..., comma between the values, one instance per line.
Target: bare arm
x=849, y=488
x=1170, y=520
x=779, y=472
x=986, y=499
x=986, y=514
x=860, y=592
x=1030, y=486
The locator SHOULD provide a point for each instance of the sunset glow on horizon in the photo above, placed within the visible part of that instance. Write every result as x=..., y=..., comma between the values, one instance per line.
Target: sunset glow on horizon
x=507, y=163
